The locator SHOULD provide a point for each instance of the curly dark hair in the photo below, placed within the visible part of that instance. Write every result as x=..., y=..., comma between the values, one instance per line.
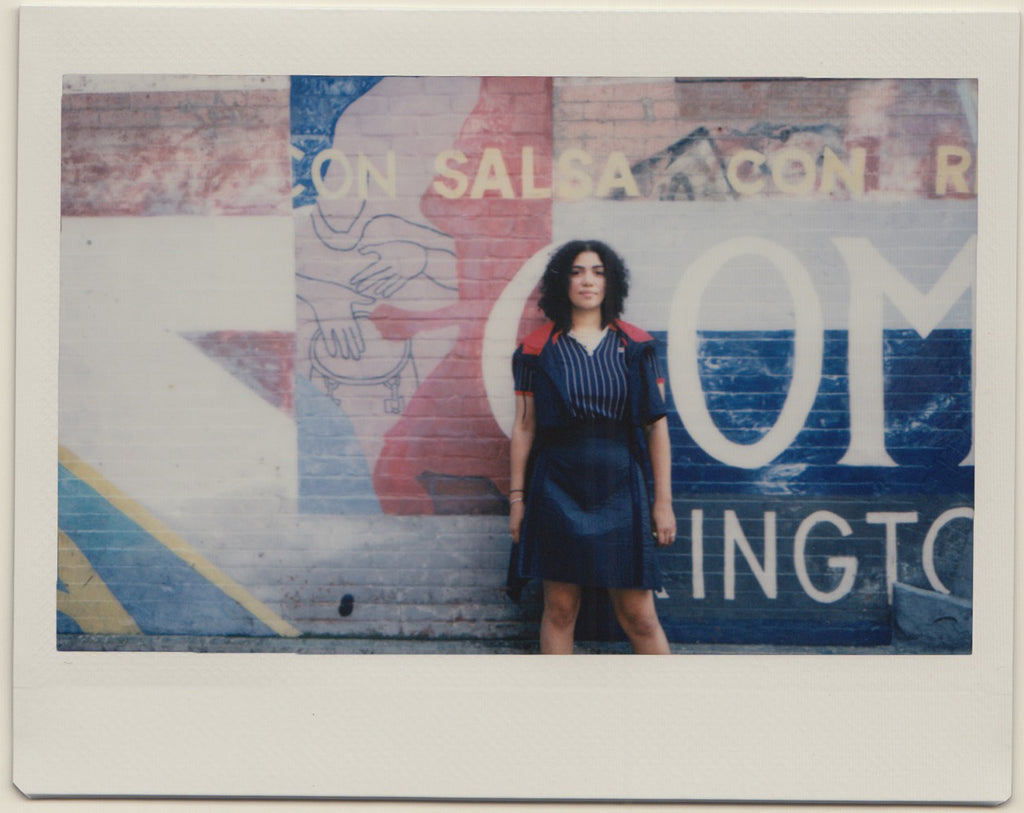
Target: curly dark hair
x=554, y=285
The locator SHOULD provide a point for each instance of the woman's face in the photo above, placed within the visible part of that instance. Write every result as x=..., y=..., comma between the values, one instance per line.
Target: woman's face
x=586, y=282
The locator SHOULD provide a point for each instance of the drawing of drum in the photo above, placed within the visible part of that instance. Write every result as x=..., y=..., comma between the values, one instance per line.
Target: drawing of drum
x=381, y=364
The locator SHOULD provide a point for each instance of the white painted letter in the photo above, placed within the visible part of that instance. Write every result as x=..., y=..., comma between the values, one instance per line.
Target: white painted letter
x=617, y=175
x=697, y=551
x=366, y=169
x=442, y=169
x=779, y=163
x=492, y=175
x=848, y=564
x=531, y=192
x=955, y=172
x=928, y=551
x=872, y=280
x=890, y=519
x=573, y=182
x=808, y=344
x=852, y=176
x=766, y=575
x=337, y=158
x=732, y=172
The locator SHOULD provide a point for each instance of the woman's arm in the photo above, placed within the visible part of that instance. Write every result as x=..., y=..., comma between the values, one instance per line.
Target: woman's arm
x=660, y=450
x=523, y=433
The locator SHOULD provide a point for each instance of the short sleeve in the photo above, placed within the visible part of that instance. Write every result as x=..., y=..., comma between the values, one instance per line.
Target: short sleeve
x=653, y=404
x=523, y=366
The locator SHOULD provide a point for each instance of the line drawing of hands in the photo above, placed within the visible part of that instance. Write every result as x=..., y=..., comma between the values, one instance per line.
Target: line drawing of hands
x=393, y=264
x=389, y=251
x=338, y=316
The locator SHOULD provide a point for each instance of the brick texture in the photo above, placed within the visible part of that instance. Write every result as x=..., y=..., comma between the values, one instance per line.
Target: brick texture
x=358, y=489
x=174, y=153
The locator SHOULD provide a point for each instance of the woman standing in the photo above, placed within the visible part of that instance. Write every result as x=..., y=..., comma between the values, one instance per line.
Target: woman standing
x=590, y=412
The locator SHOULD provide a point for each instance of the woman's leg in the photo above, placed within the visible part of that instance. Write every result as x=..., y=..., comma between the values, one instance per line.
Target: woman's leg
x=636, y=613
x=558, y=623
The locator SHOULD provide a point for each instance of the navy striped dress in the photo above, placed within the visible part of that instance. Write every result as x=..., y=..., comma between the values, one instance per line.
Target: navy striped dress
x=587, y=516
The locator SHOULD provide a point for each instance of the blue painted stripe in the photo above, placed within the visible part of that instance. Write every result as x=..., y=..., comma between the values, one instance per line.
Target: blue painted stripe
x=597, y=623
x=162, y=593
x=746, y=375
x=334, y=477
x=316, y=103
x=66, y=625
x=779, y=632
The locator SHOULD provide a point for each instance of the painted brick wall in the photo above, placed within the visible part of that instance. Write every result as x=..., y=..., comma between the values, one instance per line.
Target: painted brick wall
x=293, y=381
x=796, y=168
x=183, y=152
x=676, y=133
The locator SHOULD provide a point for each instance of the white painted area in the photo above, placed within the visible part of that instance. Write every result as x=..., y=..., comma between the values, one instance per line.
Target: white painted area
x=660, y=240
x=138, y=401
x=500, y=338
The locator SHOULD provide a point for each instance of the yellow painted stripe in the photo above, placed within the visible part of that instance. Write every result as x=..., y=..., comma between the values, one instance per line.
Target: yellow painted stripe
x=178, y=546
x=88, y=600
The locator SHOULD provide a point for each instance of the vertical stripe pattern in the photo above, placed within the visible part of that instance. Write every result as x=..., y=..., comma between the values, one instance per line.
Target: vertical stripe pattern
x=597, y=384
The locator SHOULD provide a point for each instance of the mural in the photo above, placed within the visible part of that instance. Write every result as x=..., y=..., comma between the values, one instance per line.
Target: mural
x=347, y=263
x=395, y=273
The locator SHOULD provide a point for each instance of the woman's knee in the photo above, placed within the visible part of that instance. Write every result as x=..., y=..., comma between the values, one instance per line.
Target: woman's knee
x=561, y=604
x=636, y=614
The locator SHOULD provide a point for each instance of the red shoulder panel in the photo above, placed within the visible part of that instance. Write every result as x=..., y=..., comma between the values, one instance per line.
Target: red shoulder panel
x=534, y=343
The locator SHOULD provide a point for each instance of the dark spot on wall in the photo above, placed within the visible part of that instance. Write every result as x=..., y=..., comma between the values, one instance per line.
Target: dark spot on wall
x=452, y=494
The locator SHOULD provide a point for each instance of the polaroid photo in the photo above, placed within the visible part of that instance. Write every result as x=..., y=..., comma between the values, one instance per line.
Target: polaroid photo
x=364, y=356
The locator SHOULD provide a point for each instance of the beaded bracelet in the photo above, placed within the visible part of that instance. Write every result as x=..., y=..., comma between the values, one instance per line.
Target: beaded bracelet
x=517, y=499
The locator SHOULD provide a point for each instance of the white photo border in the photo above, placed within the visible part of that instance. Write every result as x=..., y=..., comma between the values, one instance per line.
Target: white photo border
x=769, y=728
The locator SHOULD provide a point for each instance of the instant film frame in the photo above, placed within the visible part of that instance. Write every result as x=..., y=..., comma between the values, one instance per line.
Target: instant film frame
x=400, y=705
x=335, y=271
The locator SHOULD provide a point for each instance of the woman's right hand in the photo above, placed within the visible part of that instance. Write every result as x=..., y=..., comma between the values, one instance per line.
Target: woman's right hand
x=515, y=520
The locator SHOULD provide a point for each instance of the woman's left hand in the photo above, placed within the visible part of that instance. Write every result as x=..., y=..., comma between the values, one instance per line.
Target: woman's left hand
x=664, y=522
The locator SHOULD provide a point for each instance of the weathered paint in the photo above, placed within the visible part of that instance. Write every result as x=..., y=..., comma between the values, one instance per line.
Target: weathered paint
x=802, y=250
